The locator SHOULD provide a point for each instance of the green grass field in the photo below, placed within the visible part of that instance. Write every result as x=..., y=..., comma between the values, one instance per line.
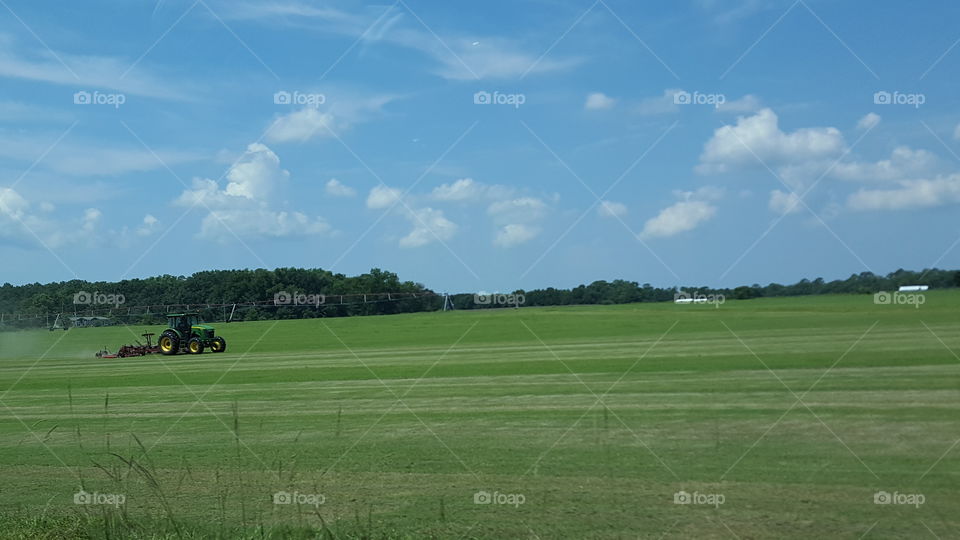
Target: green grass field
x=792, y=413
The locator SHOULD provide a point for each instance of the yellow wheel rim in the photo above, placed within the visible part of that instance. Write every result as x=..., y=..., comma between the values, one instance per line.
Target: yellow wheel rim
x=194, y=347
x=166, y=343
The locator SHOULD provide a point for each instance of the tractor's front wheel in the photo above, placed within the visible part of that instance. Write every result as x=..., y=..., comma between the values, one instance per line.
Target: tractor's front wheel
x=169, y=343
x=219, y=344
x=195, y=346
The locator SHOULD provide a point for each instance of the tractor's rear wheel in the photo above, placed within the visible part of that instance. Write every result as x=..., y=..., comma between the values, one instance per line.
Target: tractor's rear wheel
x=195, y=346
x=219, y=344
x=169, y=343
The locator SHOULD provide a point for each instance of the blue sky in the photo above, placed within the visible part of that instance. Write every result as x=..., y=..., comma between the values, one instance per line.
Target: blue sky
x=480, y=146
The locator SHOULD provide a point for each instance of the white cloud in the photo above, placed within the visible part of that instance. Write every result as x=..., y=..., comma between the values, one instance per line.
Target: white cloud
x=693, y=210
x=336, y=188
x=939, y=191
x=383, y=197
x=516, y=220
x=467, y=58
x=429, y=225
x=515, y=234
x=466, y=189
x=243, y=207
x=598, y=101
x=523, y=209
x=747, y=104
x=492, y=58
x=868, y=122
x=904, y=162
x=759, y=137
x=782, y=202
x=302, y=125
x=149, y=225
x=89, y=72
x=612, y=209
x=462, y=189
x=259, y=222
x=20, y=225
x=12, y=204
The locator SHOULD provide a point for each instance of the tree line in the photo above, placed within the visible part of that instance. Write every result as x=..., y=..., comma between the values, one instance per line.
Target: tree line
x=35, y=304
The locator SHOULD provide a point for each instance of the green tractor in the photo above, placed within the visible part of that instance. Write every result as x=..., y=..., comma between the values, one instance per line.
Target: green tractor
x=187, y=333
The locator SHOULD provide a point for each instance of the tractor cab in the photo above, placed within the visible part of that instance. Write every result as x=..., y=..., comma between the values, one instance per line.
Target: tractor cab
x=182, y=322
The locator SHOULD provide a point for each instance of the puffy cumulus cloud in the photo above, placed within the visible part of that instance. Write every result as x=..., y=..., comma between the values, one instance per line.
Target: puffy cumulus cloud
x=517, y=220
x=302, y=125
x=910, y=194
x=514, y=234
x=12, y=204
x=523, y=209
x=243, y=207
x=869, y=121
x=904, y=162
x=599, y=101
x=383, y=197
x=149, y=225
x=256, y=174
x=612, y=209
x=19, y=223
x=782, y=202
x=429, y=225
x=693, y=209
x=466, y=189
x=328, y=119
x=760, y=137
x=336, y=188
